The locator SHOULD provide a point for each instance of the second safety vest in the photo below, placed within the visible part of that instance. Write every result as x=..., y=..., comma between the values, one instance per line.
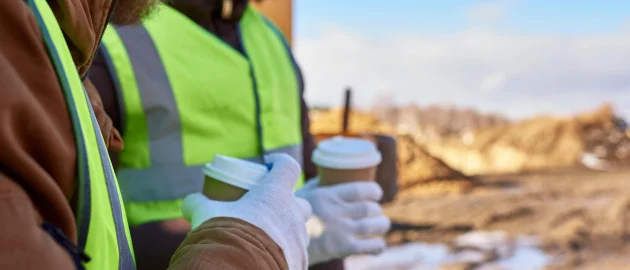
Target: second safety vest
x=187, y=96
x=102, y=228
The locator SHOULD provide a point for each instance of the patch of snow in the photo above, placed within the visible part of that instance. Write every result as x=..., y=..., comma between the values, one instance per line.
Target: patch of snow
x=525, y=258
x=417, y=256
x=527, y=241
x=516, y=253
x=482, y=240
x=469, y=256
x=593, y=162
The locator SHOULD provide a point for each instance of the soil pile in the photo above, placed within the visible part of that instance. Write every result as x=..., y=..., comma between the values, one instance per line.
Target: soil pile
x=421, y=173
x=596, y=139
x=539, y=143
x=605, y=138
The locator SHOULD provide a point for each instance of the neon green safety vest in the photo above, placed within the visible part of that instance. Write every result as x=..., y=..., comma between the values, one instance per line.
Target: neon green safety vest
x=186, y=96
x=102, y=227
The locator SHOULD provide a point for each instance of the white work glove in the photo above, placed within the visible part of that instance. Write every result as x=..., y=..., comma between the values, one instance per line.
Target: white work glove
x=350, y=217
x=271, y=206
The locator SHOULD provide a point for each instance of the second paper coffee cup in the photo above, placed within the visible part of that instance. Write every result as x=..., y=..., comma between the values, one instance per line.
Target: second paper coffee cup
x=228, y=179
x=342, y=159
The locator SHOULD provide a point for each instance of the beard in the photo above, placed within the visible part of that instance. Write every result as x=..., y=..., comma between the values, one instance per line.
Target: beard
x=132, y=11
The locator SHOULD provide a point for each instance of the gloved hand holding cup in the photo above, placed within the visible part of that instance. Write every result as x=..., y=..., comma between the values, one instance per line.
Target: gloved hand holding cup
x=240, y=189
x=345, y=200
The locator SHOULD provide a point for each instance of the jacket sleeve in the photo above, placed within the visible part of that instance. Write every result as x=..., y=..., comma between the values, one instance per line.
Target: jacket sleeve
x=228, y=244
x=37, y=150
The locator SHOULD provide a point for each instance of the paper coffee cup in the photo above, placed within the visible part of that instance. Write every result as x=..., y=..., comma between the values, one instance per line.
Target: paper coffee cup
x=342, y=159
x=228, y=179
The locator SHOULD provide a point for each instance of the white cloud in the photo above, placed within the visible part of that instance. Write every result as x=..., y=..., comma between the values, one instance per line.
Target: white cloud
x=513, y=73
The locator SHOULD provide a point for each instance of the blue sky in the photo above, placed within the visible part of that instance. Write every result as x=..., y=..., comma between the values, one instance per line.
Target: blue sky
x=518, y=57
x=380, y=18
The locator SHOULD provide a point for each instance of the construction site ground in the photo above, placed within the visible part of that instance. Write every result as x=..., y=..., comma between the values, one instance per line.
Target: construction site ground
x=580, y=217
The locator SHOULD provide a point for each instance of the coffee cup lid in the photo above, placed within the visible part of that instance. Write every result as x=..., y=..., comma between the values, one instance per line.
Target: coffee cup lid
x=237, y=172
x=346, y=153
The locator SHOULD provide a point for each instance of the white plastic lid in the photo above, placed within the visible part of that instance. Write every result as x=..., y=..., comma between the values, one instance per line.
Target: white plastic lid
x=346, y=153
x=237, y=172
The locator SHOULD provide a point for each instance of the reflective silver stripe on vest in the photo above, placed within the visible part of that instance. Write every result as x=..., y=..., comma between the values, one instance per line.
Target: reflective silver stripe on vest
x=168, y=178
x=169, y=175
x=125, y=259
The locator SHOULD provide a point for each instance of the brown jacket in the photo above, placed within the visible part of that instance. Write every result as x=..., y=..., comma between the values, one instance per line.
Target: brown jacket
x=38, y=155
x=170, y=233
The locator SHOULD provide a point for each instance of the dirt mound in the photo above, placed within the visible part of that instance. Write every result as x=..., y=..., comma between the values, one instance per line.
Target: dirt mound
x=606, y=138
x=596, y=139
x=420, y=172
x=538, y=143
